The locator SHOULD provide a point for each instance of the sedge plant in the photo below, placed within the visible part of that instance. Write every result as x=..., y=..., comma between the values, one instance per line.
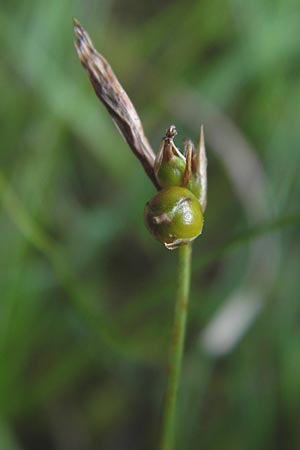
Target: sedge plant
x=174, y=216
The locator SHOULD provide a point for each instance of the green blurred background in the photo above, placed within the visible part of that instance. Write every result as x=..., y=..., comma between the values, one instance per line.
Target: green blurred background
x=86, y=295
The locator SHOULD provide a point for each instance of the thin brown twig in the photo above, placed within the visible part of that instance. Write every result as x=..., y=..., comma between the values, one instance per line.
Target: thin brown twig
x=115, y=99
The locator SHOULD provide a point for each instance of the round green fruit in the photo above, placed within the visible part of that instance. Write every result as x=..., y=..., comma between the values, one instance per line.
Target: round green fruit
x=170, y=173
x=174, y=217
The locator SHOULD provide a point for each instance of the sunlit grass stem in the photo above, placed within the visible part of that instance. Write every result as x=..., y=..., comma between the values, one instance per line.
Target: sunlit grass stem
x=177, y=346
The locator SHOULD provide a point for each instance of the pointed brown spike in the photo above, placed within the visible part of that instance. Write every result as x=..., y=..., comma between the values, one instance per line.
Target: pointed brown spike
x=202, y=164
x=188, y=149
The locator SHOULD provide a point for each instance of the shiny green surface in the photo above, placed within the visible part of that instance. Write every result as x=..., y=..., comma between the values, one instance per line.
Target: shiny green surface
x=174, y=214
x=171, y=173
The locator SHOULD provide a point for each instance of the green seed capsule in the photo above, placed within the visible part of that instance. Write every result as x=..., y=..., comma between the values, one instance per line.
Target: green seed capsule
x=171, y=173
x=169, y=164
x=174, y=216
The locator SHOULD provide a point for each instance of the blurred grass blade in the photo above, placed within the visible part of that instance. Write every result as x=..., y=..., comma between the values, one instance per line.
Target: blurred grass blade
x=107, y=333
x=7, y=439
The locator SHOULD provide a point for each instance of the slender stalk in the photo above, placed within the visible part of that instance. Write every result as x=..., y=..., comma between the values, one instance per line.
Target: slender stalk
x=177, y=346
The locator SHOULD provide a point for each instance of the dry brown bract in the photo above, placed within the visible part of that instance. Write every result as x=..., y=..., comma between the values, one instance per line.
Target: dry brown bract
x=115, y=99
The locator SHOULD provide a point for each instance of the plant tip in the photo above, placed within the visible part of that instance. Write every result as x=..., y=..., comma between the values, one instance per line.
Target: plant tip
x=75, y=22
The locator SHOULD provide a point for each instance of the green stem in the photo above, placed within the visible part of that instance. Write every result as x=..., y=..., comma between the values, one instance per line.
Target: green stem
x=177, y=345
